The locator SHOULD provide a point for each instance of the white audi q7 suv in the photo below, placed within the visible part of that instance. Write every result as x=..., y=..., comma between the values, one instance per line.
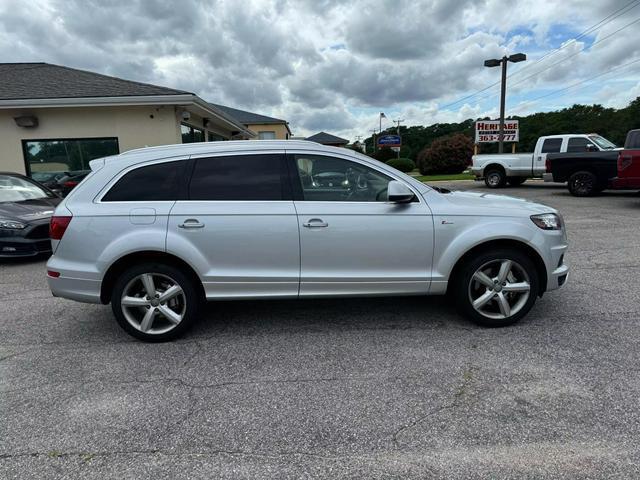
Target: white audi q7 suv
x=155, y=231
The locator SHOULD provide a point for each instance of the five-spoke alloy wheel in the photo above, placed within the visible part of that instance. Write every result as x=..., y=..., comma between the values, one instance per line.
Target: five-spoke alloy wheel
x=154, y=302
x=496, y=289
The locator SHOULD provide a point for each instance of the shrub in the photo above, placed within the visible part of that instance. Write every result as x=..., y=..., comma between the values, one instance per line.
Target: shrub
x=383, y=154
x=447, y=155
x=403, y=164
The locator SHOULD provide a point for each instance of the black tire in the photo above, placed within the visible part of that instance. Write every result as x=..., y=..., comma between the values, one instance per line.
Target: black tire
x=465, y=287
x=583, y=184
x=516, y=181
x=495, y=178
x=187, y=303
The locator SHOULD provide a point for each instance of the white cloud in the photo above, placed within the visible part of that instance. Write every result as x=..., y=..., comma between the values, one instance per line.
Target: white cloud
x=333, y=64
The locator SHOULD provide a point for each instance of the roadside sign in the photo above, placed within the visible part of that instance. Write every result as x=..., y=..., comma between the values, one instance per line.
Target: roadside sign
x=488, y=131
x=395, y=149
x=389, y=141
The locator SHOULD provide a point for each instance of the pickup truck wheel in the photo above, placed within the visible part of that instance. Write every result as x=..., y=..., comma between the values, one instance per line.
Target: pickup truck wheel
x=154, y=302
x=495, y=178
x=583, y=184
x=496, y=288
x=516, y=181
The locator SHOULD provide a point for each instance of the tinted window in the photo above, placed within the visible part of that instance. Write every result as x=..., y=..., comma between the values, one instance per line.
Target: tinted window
x=153, y=183
x=238, y=177
x=60, y=156
x=578, y=144
x=330, y=179
x=551, y=145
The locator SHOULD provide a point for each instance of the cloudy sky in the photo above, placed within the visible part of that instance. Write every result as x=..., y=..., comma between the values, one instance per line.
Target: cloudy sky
x=333, y=65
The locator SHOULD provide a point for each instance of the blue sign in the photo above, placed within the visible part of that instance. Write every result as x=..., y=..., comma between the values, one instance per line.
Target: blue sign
x=389, y=141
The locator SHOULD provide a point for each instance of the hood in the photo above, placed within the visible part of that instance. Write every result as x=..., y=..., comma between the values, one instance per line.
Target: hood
x=482, y=203
x=29, y=210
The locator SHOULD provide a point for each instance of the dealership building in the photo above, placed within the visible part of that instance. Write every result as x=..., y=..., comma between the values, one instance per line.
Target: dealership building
x=55, y=118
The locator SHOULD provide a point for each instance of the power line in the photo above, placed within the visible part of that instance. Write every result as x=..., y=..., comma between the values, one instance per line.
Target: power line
x=576, y=53
x=584, y=81
x=589, y=30
x=606, y=20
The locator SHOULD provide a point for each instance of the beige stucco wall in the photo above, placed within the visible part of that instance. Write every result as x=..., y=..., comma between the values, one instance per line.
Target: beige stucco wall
x=133, y=126
x=280, y=129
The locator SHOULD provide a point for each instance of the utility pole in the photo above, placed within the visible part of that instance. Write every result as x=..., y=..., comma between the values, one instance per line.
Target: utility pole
x=398, y=120
x=358, y=137
x=494, y=62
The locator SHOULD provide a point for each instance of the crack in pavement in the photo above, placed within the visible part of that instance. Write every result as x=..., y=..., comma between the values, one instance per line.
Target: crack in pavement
x=458, y=396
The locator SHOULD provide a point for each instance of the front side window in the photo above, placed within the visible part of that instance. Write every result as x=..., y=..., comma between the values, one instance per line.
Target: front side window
x=331, y=179
x=577, y=144
x=63, y=155
x=552, y=145
x=156, y=182
x=267, y=135
x=239, y=177
x=191, y=134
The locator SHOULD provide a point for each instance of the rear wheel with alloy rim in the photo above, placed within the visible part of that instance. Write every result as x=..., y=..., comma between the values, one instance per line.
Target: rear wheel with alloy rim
x=583, y=184
x=496, y=289
x=154, y=302
x=495, y=178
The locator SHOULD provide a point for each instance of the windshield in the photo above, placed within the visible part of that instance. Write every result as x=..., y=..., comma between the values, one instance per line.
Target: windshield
x=602, y=142
x=16, y=189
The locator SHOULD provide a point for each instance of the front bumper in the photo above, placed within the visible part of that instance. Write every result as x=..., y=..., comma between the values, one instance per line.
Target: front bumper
x=14, y=247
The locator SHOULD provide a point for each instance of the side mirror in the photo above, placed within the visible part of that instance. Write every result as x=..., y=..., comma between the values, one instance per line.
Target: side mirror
x=591, y=147
x=398, y=192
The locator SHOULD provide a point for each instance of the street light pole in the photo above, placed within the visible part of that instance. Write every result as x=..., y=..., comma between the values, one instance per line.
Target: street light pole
x=503, y=94
x=515, y=58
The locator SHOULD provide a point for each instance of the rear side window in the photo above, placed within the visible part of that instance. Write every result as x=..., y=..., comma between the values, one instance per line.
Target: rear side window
x=578, y=144
x=146, y=184
x=239, y=177
x=552, y=145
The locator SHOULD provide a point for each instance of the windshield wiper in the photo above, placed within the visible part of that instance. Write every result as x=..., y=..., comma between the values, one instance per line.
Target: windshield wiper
x=440, y=189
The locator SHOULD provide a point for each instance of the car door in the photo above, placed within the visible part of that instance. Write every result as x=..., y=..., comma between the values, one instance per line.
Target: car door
x=237, y=225
x=352, y=241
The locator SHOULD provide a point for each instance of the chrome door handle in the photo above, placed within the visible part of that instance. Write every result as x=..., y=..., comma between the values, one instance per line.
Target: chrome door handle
x=191, y=223
x=315, y=223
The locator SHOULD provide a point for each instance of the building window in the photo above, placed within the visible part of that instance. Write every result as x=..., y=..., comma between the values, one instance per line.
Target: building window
x=267, y=135
x=214, y=137
x=191, y=134
x=64, y=155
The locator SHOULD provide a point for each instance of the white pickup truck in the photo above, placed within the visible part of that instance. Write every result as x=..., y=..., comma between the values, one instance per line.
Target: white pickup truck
x=499, y=168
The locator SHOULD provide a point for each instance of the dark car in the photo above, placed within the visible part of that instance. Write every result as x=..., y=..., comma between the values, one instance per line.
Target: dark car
x=70, y=181
x=48, y=179
x=25, y=210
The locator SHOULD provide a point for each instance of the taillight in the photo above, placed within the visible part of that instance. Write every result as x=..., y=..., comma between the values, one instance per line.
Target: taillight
x=58, y=226
x=70, y=184
x=624, y=162
x=547, y=164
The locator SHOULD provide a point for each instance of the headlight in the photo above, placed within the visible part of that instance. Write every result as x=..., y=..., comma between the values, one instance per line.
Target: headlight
x=547, y=221
x=12, y=225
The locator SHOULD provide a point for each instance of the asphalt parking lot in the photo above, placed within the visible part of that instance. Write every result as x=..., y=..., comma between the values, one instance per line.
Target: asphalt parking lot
x=358, y=388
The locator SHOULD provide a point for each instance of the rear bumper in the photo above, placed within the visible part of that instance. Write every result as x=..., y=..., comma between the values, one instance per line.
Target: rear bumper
x=625, y=183
x=78, y=289
x=74, y=281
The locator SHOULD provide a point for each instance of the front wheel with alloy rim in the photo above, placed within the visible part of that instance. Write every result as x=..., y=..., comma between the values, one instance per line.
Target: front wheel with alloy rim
x=154, y=302
x=497, y=288
x=495, y=178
